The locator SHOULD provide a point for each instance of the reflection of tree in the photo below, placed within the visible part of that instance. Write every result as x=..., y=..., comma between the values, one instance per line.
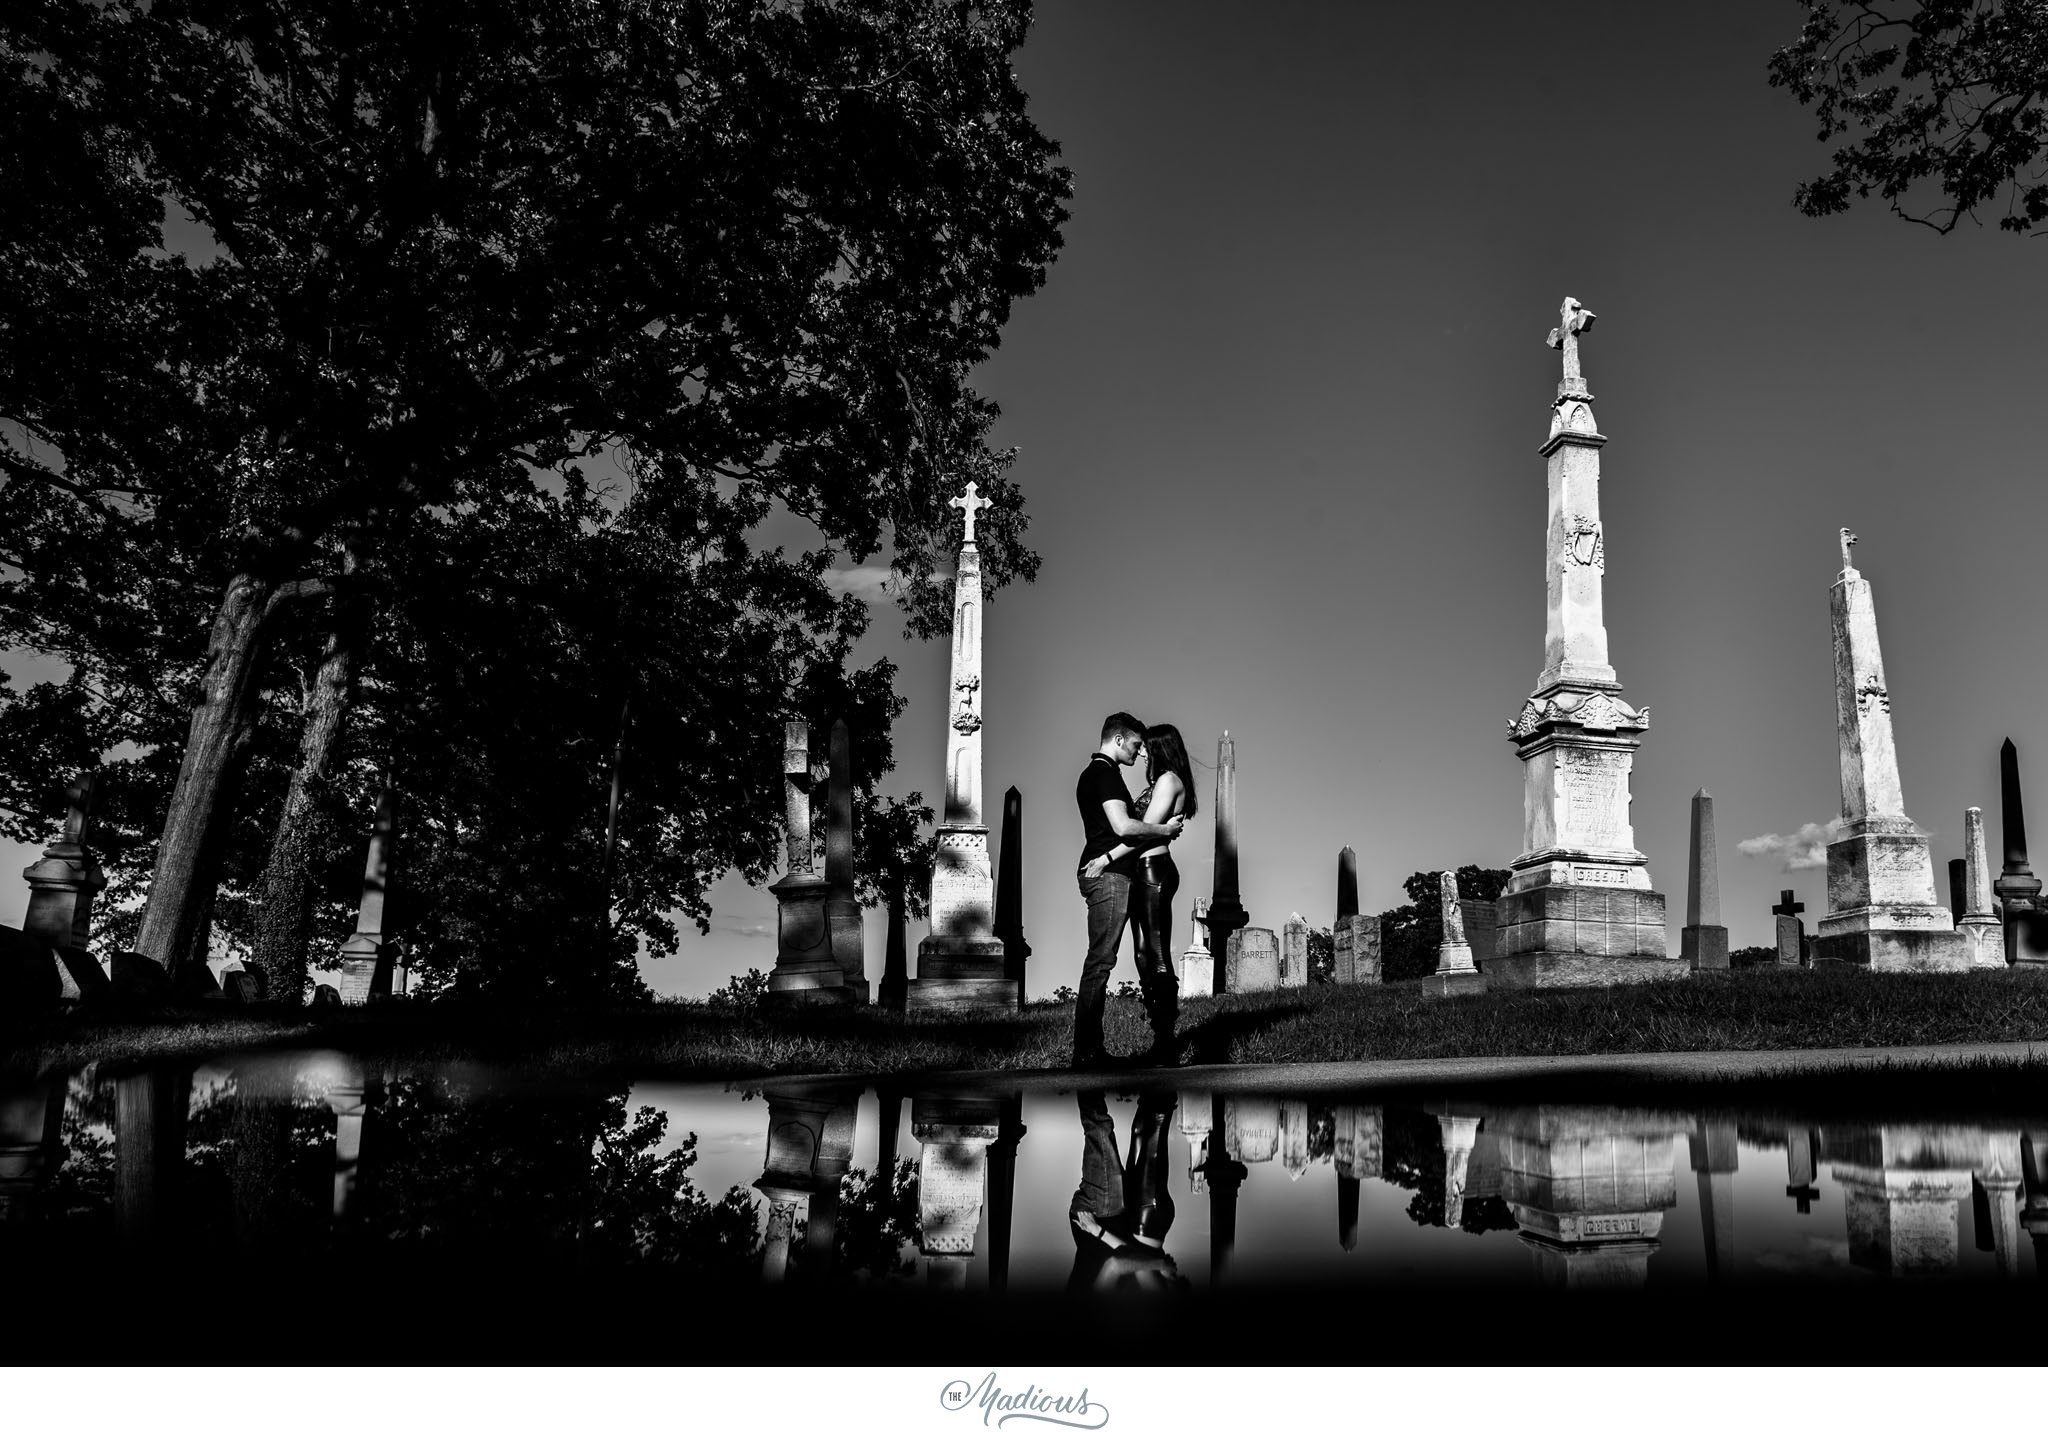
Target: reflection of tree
x=83, y=1187
x=877, y=1219
x=1414, y=1159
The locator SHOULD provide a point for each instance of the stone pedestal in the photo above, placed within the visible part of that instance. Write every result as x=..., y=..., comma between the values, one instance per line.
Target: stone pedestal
x=1589, y=1188
x=1456, y=972
x=845, y=926
x=1976, y=916
x=807, y=971
x=61, y=887
x=810, y=1148
x=2017, y=888
x=1197, y=964
x=952, y=1180
x=1882, y=911
x=1251, y=961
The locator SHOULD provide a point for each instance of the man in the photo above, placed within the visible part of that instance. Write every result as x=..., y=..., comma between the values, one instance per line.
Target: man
x=1106, y=822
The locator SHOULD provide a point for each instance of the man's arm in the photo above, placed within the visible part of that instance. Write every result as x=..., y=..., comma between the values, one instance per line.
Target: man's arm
x=1137, y=835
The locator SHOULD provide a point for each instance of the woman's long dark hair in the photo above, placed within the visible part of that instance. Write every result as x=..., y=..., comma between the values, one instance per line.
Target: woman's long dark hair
x=1169, y=753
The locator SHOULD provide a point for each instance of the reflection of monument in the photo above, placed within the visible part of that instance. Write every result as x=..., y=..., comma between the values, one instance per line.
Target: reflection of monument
x=1904, y=1186
x=953, y=1179
x=1251, y=1129
x=1802, y=1162
x=810, y=1145
x=1359, y=1141
x=1712, y=1147
x=1222, y=1175
x=1197, y=1123
x=1588, y=1188
x=1294, y=1120
x=1459, y=1132
x=31, y=1147
x=150, y=1110
x=1002, y=1188
x=350, y=1098
x=2034, y=1181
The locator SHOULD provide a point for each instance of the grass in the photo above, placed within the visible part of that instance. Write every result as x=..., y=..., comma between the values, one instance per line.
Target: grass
x=1745, y=1010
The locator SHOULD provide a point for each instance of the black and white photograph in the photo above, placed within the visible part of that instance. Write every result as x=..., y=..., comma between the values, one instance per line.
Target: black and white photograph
x=560, y=561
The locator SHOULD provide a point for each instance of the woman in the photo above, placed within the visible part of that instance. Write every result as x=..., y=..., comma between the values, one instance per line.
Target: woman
x=1171, y=793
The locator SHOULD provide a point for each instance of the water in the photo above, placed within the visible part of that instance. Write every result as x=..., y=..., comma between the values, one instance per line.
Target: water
x=717, y=1221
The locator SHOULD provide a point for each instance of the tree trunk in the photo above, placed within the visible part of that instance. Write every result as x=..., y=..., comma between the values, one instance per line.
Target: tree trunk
x=284, y=918
x=180, y=904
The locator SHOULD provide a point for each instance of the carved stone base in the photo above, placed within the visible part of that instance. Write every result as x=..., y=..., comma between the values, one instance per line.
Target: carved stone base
x=1447, y=984
x=1602, y=922
x=1704, y=947
x=1197, y=974
x=359, y=958
x=1867, y=938
x=1543, y=970
x=1984, y=936
x=955, y=995
x=806, y=972
x=948, y=957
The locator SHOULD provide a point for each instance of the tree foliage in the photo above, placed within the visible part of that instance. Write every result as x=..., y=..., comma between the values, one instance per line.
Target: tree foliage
x=520, y=325
x=1942, y=100
x=1409, y=934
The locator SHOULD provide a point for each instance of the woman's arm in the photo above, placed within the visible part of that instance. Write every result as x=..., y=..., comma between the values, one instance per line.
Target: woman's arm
x=1165, y=797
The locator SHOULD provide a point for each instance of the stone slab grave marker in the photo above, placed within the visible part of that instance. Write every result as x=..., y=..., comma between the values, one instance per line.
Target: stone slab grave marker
x=1197, y=964
x=806, y=970
x=960, y=964
x=1578, y=908
x=1251, y=960
x=1703, y=943
x=1294, y=952
x=1456, y=973
x=1977, y=917
x=1882, y=913
x=61, y=887
x=1791, y=929
x=2017, y=887
x=1482, y=932
x=845, y=926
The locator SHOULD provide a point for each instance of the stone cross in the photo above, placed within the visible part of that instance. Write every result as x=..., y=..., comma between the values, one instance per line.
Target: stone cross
x=1574, y=318
x=969, y=503
x=1454, y=914
x=796, y=777
x=1787, y=905
x=1848, y=541
x=78, y=816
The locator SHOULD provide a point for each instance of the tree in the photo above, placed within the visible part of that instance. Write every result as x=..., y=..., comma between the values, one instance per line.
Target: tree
x=1322, y=956
x=1943, y=100
x=436, y=260
x=1409, y=934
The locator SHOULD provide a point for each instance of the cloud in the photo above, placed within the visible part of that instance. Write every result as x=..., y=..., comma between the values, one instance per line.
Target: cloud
x=1805, y=849
x=870, y=583
x=735, y=925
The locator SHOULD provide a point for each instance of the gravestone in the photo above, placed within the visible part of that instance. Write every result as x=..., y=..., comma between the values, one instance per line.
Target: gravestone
x=1791, y=930
x=1882, y=912
x=365, y=970
x=326, y=998
x=1010, y=892
x=1703, y=942
x=61, y=887
x=2018, y=889
x=241, y=988
x=1251, y=961
x=806, y=969
x=1357, y=949
x=1197, y=964
x=845, y=927
x=1578, y=908
x=1456, y=973
x=1481, y=931
x=1294, y=952
x=1977, y=918
x=1226, y=911
x=960, y=964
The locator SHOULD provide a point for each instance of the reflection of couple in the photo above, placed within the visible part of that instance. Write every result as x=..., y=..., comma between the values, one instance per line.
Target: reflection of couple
x=1127, y=876
x=1122, y=1210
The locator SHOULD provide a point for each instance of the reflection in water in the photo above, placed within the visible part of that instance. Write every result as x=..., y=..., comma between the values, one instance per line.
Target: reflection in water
x=329, y=1164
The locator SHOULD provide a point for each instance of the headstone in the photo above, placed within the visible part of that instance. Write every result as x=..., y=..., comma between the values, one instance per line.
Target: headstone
x=1703, y=943
x=1578, y=908
x=1976, y=917
x=1791, y=930
x=1197, y=964
x=1357, y=942
x=326, y=998
x=61, y=887
x=1294, y=952
x=241, y=988
x=137, y=980
x=1251, y=1129
x=1010, y=892
x=1251, y=961
x=362, y=954
x=1482, y=932
x=1455, y=971
x=960, y=963
x=2017, y=887
x=845, y=926
x=806, y=969
x=1226, y=912
x=1882, y=912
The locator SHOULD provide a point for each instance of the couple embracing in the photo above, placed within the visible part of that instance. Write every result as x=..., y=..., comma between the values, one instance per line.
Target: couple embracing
x=1128, y=877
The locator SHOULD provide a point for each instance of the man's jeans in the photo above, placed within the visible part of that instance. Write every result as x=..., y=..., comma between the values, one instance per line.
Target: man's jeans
x=1109, y=910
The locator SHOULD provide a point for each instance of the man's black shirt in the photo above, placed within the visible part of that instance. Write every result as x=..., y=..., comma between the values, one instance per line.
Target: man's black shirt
x=1099, y=783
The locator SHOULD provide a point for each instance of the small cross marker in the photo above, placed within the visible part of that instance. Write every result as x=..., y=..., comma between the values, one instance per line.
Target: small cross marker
x=1787, y=905
x=969, y=503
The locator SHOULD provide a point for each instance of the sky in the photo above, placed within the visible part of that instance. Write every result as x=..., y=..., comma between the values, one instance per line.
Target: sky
x=1278, y=410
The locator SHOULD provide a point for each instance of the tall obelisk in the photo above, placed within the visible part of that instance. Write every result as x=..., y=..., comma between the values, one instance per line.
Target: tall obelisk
x=960, y=964
x=1578, y=909
x=1226, y=910
x=1881, y=905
